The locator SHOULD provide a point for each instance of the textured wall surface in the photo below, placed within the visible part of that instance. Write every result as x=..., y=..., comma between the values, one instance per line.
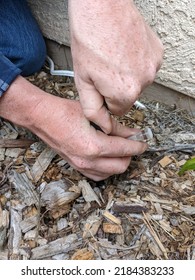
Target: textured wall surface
x=173, y=20
x=52, y=16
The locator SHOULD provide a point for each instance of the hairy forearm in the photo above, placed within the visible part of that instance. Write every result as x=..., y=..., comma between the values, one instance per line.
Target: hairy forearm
x=19, y=102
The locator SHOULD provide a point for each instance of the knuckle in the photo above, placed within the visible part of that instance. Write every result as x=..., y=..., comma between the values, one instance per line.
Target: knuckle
x=81, y=164
x=136, y=90
x=90, y=114
x=131, y=92
x=86, y=161
x=92, y=151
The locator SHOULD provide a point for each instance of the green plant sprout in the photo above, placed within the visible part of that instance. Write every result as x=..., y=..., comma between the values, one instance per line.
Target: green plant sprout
x=188, y=165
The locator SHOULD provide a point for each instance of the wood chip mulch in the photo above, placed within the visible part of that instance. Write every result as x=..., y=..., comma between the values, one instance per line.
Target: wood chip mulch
x=50, y=211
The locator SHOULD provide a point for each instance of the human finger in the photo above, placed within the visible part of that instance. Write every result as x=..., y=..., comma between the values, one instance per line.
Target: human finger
x=105, y=167
x=93, y=106
x=120, y=91
x=115, y=146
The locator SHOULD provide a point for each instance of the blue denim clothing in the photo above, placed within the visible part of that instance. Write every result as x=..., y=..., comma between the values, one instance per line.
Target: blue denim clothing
x=22, y=47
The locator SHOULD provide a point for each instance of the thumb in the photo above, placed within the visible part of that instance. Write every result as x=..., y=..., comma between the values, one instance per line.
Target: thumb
x=93, y=106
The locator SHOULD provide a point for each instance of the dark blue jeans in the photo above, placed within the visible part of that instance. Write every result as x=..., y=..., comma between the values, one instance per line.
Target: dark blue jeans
x=22, y=47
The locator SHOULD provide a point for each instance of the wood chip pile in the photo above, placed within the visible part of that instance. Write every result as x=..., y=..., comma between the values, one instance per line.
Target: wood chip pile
x=50, y=211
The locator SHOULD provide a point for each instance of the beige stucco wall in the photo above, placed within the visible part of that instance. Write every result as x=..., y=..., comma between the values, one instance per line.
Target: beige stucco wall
x=173, y=20
x=52, y=16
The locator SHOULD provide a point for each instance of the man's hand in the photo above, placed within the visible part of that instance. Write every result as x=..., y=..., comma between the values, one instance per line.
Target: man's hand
x=94, y=153
x=115, y=56
x=62, y=125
